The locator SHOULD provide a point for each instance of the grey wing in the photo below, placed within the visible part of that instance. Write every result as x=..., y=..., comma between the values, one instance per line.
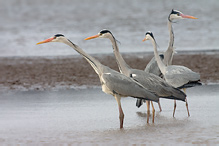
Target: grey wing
x=125, y=86
x=180, y=75
x=155, y=84
x=152, y=66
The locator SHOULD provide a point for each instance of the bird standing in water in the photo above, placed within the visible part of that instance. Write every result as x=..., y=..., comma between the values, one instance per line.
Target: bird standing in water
x=176, y=75
x=167, y=56
x=150, y=81
x=112, y=82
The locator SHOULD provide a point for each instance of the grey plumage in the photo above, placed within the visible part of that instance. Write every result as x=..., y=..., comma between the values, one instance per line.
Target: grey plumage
x=152, y=66
x=124, y=86
x=157, y=85
x=149, y=81
x=112, y=82
x=177, y=76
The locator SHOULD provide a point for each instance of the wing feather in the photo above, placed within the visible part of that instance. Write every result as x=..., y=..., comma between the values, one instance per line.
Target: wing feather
x=180, y=75
x=155, y=84
x=125, y=86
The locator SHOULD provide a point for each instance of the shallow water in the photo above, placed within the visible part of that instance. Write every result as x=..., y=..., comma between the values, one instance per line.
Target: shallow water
x=26, y=22
x=89, y=116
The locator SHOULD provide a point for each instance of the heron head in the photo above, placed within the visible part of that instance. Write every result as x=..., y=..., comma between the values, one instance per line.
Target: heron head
x=175, y=14
x=149, y=35
x=102, y=34
x=55, y=38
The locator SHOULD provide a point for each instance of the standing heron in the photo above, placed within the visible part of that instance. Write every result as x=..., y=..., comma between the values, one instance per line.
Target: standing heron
x=167, y=56
x=112, y=82
x=149, y=81
x=178, y=76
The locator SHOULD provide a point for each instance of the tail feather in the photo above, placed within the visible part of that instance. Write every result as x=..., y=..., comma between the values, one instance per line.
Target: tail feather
x=177, y=94
x=173, y=97
x=139, y=102
x=190, y=84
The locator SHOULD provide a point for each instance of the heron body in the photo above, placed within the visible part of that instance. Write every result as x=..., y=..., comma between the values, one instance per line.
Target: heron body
x=181, y=76
x=152, y=66
x=112, y=82
x=150, y=81
x=175, y=75
x=167, y=56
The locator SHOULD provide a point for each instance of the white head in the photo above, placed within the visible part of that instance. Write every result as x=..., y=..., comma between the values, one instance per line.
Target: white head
x=148, y=36
x=55, y=38
x=175, y=14
x=102, y=34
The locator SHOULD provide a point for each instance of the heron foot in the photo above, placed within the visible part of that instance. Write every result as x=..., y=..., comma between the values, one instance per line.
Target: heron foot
x=187, y=107
x=174, y=108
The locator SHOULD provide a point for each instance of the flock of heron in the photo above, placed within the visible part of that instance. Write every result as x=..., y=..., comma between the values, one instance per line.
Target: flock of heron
x=160, y=79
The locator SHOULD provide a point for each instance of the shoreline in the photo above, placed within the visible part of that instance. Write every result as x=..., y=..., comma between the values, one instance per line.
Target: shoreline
x=45, y=73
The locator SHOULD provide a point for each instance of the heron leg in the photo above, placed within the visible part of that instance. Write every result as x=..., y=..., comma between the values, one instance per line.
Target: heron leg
x=187, y=107
x=153, y=111
x=121, y=114
x=159, y=106
x=174, y=108
x=148, y=110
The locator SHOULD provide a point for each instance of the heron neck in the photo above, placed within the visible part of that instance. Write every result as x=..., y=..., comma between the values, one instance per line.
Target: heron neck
x=168, y=54
x=123, y=66
x=160, y=64
x=91, y=60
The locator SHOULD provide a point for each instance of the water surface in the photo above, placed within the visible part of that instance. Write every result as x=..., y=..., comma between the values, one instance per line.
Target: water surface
x=89, y=116
x=26, y=22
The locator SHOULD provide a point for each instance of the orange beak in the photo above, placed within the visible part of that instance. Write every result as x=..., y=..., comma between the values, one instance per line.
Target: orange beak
x=46, y=41
x=92, y=37
x=187, y=16
x=144, y=40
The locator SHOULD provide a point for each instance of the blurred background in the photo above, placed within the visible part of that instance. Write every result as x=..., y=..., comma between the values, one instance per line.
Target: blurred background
x=26, y=22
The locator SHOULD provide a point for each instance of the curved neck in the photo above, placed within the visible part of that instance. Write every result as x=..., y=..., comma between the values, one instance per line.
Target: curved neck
x=123, y=66
x=160, y=64
x=92, y=61
x=168, y=55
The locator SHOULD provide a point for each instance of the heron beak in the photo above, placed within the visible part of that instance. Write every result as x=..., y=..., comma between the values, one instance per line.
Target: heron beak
x=144, y=39
x=187, y=16
x=92, y=37
x=46, y=41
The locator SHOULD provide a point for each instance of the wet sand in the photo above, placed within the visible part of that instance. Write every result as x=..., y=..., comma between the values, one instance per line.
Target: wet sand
x=88, y=116
x=43, y=73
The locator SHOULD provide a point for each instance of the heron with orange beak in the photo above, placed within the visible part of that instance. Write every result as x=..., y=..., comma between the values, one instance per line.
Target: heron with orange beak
x=149, y=81
x=112, y=82
x=178, y=76
x=167, y=56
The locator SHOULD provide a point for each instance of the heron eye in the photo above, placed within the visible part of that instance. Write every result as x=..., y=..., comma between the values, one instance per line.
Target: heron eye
x=100, y=34
x=178, y=14
x=54, y=37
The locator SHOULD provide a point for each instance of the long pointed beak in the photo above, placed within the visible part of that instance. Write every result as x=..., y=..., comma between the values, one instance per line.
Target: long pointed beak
x=187, y=16
x=92, y=37
x=144, y=40
x=46, y=41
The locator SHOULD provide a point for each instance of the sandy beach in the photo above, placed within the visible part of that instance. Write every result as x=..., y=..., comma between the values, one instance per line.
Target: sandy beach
x=43, y=73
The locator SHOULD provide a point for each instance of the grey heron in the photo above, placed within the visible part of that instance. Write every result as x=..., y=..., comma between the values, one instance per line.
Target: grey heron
x=178, y=76
x=167, y=56
x=112, y=82
x=149, y=81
